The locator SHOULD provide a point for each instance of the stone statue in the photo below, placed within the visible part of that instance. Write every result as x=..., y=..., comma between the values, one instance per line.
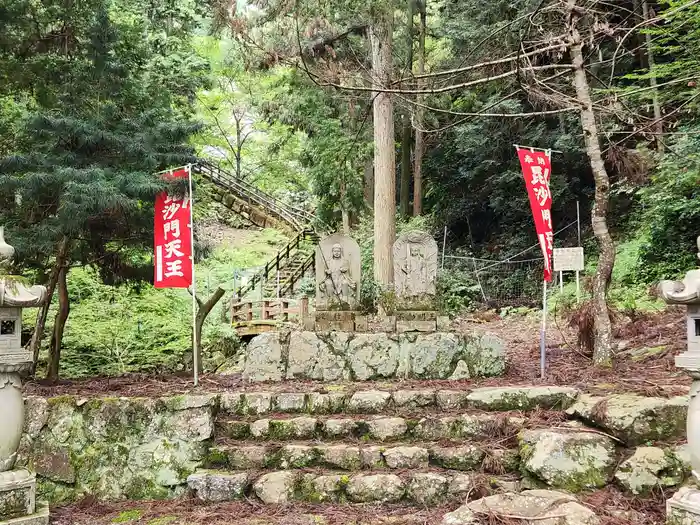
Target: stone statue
x=415, y=265
x=337, y=273
x=17, y=487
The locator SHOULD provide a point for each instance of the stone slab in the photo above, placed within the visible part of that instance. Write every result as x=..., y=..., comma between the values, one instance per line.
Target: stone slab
x=415, y=326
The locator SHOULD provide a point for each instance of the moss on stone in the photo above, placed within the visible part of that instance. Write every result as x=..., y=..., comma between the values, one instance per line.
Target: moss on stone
x=62, y=400
x=215, y=457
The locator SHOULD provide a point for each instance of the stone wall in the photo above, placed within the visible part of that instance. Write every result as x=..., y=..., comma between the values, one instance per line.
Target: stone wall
x=334, y=356
x=115, y=448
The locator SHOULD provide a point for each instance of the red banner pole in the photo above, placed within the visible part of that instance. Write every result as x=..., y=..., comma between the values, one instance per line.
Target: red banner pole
x=195, y=346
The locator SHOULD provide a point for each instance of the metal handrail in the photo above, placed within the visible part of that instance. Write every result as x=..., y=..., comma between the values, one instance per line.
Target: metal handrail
x=292, y=215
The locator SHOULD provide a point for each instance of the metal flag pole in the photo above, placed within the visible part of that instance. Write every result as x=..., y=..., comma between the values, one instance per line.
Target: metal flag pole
x=195, y=354
x=543, y=331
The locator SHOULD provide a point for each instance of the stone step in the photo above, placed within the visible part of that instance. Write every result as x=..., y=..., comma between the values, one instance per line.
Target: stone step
x=423, y=488
x=474, y=426
x=372, y=456
x=378, y=401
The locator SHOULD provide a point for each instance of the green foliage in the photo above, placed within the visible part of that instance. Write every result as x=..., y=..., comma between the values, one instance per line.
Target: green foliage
x=113, y=330
x=671, y=213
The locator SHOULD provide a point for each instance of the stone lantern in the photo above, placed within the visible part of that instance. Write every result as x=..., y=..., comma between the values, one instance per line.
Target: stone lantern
x=17, y=486
x=684, y=507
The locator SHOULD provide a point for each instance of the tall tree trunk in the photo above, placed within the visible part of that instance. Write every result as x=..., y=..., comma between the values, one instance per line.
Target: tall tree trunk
x=369, y=183
x=406, y=135
x=43, y=313
x=203, y=310
x=59, y=325
x=603, y=345
x=239, y=147
x=652, y=82
x=343, y=206
x=384, y=152
x=419, y=146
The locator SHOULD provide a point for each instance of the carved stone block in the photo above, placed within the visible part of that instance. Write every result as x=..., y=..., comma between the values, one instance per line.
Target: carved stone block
x=337, y=273
x=415, y=326
x=308, y=323
x=335, y=321
x=416, y=315
x=415, y=266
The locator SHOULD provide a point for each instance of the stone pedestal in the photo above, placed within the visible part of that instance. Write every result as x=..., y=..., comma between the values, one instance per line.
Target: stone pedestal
x=684, y=507
x=334, y=321
x=18, y=486
x=18, y=499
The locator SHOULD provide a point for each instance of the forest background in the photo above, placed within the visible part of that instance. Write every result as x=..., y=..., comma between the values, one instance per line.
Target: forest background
x=332, y=105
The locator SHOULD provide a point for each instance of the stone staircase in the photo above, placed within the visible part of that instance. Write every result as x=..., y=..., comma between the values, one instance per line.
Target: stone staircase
x=430, y=447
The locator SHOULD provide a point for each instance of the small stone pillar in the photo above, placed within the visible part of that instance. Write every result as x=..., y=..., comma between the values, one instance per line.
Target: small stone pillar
x=684, y=507
x=17, y=486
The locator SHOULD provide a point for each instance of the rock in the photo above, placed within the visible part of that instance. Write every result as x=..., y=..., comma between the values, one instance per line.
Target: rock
x=260, y=429
x=460, y=485
x=427, y=488
x=331, y=403
x=369, y=402
x=296, y=456
x=290, y=402
x=461, y=371
x=325, y=489
x=384, y=488
x=371, y=457
x=406, y=457
x=451, y=399
x=573, y=461
x=414, y=398
x=276, y=487
x=485, y=355
x=522, y=398
x=432, y=355
x=648, y=468
x=53, y=461
x=295, y=428
x=339, y=427
x=544, y=507
x=373, y=356
x=387, y=428
x=457, y=458
x=263, y=358
x=435, y=429
x=346, y=457
x=213, y=486
x=184, y=402
x=634, y=419
x=36, y=414
x=310, y=357
x=246, y=457
x=682, y=453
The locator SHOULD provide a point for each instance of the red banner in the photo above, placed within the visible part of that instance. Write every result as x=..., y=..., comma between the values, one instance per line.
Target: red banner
x=537, y=168
x=173, y=239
